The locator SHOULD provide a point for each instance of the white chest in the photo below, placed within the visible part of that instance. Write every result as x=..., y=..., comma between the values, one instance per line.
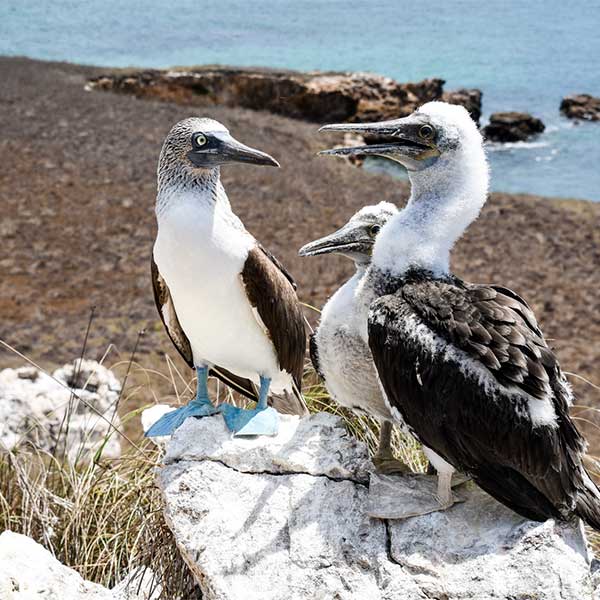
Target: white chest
x=200, y=251
x=345, y=358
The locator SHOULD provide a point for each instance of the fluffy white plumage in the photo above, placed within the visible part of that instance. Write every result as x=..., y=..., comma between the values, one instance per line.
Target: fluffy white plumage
x=446, y=197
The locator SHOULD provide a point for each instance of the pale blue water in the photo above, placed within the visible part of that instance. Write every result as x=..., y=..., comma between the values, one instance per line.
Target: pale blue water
x=523, y=55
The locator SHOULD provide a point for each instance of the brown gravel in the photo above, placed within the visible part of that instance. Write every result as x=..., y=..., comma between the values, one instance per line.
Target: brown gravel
x=77, y=188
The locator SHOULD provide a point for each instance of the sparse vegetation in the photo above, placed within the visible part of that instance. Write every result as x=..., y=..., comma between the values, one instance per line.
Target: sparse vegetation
x=105, y=518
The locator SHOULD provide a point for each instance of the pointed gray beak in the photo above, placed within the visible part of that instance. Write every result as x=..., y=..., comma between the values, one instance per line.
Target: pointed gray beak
x=349, y=239
x=234, y=151
x=404, y=140
x=224, y=149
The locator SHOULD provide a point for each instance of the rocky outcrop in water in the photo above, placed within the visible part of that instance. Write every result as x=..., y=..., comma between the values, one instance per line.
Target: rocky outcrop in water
x=288, y=517
x=312, y=96
x=70, y=411
x=581, y=106
x=512, y=127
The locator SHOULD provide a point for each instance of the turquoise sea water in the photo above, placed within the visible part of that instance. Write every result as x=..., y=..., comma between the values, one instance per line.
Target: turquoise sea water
x=523, y=55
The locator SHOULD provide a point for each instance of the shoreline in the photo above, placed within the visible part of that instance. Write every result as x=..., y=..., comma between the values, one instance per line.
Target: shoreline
x=78, y=186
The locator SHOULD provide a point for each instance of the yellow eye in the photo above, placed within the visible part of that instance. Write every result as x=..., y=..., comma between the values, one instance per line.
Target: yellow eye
x=426, y=132
x=374, y=230
x=200, y=139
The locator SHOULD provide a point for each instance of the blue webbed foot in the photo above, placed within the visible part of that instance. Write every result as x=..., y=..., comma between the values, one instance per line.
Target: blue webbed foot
x=201, y=406
x=258, y=421
x=262, y=420
x=168, y=423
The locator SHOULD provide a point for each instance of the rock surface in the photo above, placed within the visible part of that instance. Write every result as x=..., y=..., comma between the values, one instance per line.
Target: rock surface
x=29, y=571
x=312, y=96
x=512, y=127
x=286, y=517
x=41, y=409
x=581, y=106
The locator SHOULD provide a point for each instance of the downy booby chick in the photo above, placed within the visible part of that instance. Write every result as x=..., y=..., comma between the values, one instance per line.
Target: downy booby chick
x=227, y=303
x=338, y=352
x=466, y=365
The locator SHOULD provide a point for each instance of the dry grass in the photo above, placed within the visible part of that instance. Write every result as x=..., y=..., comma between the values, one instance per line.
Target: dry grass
x=104, y=518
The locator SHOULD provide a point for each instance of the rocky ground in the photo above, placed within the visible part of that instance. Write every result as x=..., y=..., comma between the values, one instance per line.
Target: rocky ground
x=77, y=188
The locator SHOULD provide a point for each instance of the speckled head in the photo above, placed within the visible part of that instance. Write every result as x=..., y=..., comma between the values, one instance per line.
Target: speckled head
x=356, y=238
x=197, y=145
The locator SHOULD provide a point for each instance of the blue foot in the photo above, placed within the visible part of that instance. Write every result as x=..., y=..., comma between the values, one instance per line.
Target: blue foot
x=168, y=423
x=263, y=420
x=259, y=421
x=201, y=406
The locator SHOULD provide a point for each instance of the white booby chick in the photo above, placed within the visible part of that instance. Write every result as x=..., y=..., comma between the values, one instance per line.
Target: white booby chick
x=337, y=349
x=227, y=303
x=465, y=365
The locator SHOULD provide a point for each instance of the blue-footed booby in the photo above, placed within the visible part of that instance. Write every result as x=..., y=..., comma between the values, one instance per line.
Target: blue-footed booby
x=337, y=350
x=227, y=304
x=465, y=365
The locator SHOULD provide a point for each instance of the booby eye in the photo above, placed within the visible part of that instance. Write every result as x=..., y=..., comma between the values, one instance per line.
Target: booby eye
x=200, y=139
x=374, y=230
x=426, y=132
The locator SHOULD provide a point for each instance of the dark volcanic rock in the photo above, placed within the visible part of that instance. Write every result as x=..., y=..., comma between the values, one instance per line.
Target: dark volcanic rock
x=469, y=98
x=581, y=106
x=512, y=127
x=318, y=97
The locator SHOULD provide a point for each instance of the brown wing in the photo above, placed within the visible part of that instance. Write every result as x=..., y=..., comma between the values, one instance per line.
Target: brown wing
x=278, y=264
x=271, y=293
x=166, y=310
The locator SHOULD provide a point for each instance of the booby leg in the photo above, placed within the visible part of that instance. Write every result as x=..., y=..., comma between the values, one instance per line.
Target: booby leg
x=262, y=420
x=200, y=406
x=385, y=462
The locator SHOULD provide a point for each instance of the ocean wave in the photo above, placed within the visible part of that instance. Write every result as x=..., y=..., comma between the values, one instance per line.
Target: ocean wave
x=502, y=147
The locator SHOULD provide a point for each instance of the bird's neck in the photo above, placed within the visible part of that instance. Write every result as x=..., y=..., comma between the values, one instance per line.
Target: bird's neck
x=204, y=187
x=445, y=200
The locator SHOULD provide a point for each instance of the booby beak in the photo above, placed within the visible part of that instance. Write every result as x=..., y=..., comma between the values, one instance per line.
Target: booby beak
x=347, y=240
x=222, y=149
x=410, y=141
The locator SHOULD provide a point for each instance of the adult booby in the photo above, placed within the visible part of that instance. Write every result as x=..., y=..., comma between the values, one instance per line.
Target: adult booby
x=337, y=350
x=466, y=365
x=227, y=304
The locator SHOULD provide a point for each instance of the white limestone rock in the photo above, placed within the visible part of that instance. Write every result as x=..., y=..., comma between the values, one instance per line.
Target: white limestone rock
x=40, y=409
x=287, y=517
x=28, y=571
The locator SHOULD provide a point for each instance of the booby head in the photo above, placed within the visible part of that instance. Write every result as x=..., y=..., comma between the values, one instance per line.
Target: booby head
x=356, y=238
x=436, y=132
x=199, y=144
x=442, y=149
